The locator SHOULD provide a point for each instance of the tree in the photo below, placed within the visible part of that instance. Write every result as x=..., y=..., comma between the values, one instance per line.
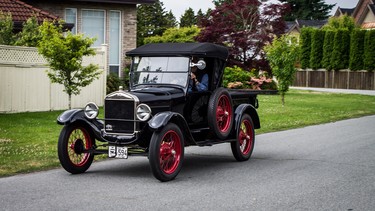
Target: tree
x=282, y=54
x=316, y=54
x=340, y=52
x=244, y=27
x=327, y=49
x=188, y=18
x=6, y=29
x=30, y=34
x=342, y=22
x=176, y=35
x=152, y=20
x=369, y=58
x=64, y=55
x=305, y=38
x=308, y=9
x=357, y=42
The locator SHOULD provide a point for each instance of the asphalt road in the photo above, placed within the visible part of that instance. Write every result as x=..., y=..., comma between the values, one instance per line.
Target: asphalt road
x=325, y=167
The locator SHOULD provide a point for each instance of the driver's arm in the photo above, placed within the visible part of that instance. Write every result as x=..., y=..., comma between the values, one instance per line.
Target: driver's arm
x=203, y=85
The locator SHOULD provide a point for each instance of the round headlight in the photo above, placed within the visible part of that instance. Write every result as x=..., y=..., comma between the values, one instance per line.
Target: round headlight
x=91, y=110
x=143, y=112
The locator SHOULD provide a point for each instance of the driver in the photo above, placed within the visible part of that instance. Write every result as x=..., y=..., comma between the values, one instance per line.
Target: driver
x=198, y=78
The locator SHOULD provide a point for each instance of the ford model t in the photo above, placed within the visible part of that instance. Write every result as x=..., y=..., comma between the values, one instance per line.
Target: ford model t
x=161, y=113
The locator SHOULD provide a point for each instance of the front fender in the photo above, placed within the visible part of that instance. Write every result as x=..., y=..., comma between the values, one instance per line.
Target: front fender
x=78, y=116
x=248, y=109
x=67, y=116
x=162, y=119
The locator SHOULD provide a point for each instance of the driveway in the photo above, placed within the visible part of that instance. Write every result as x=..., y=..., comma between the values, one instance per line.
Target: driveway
x=324, y=167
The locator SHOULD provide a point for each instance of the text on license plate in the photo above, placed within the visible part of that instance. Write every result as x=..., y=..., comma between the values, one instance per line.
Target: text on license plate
x=118, y=152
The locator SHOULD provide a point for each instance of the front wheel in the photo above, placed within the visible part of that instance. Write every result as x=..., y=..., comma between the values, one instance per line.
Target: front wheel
x=74, y=143
x=243, y=147
x=166, y=152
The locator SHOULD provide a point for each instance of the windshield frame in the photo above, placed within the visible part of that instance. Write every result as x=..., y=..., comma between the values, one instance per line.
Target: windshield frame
x=134, y=67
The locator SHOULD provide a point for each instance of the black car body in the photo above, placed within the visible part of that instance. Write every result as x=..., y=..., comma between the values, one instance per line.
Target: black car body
x=159, y=114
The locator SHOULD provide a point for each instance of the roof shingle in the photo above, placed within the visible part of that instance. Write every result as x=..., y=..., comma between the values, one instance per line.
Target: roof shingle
x=21, y=11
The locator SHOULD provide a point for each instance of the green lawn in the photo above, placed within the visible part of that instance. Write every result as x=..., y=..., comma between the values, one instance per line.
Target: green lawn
x=28, y=141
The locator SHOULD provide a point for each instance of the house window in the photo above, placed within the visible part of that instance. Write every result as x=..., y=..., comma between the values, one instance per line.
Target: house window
x=93, y=25
x=114, y=41
x=71, y=17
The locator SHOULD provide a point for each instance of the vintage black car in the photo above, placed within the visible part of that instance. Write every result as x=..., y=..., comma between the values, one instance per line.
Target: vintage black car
x=160, y=114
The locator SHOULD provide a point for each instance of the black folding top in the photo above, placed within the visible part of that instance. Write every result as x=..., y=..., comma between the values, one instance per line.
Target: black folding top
x=181, y=49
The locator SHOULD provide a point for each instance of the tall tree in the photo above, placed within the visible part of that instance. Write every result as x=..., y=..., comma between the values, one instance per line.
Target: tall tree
x=244, y=27
x=308, y=9
x=152, y=19
x=188, y=18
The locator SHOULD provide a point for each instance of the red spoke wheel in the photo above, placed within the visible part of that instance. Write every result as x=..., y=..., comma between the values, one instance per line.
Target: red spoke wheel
x=220, y=113
x=166, y=152
x=243, y=147
x=74, y=142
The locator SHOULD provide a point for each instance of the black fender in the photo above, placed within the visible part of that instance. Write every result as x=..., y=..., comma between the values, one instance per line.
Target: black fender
x=248, y=109
x=74, y=116
x=163, y=118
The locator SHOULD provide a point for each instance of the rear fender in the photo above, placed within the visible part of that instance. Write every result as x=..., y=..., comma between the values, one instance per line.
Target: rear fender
x=77, y=116
x=162, y=119
x=248, y=109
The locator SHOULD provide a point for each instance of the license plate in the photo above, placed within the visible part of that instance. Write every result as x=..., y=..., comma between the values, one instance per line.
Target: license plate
x=118, y=152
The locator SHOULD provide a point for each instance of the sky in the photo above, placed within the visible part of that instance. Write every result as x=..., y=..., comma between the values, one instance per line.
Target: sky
x=178, y=7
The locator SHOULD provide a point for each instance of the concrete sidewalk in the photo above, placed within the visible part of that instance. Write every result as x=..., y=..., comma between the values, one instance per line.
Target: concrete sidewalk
x=345, y=91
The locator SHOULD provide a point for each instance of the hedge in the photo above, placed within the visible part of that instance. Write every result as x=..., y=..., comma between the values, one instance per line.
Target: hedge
x=327, y=49
x=357, y=49
x=369, y=50
x=305, y=39
x=316, y=54
x=340, y=52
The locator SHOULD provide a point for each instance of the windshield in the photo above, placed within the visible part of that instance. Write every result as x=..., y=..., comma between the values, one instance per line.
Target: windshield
x=160, y=70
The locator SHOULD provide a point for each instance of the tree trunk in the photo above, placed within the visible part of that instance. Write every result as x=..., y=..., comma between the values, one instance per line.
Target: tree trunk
x=283, y=99
x=70, y=101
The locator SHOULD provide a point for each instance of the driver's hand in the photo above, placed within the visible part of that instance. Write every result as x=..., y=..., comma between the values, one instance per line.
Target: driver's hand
x=193, y=76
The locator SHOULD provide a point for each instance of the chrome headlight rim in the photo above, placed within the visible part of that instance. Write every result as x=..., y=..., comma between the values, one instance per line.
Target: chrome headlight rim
x=91, y=110
x=143, y=112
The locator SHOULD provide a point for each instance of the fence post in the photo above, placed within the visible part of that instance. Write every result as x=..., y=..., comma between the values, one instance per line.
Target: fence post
x=348, y=80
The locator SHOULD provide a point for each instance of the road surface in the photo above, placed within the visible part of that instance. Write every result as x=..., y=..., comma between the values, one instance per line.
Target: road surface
x=323, y=167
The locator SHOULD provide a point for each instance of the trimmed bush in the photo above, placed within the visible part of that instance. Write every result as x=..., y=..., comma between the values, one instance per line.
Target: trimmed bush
x=305, y=39
x=369, y=50
x=327, y=49
x=236, y=74
x=357, y=42
x=340, y=53
x=316, y=55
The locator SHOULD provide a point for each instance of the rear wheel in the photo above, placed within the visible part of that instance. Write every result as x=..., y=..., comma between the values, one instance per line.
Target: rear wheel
x=73, y=145
x=220, y=113
x=166, y=152
x=243, y=147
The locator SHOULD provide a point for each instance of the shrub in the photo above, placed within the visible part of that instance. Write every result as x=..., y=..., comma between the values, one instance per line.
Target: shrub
x=113, y=83
x=6, y=29
x=340, y=52
x=305, y=39
x=327, y=49
x=30, y=34
x=369, y=51
x=236, y=74
x=316, y=55
x=357, y=42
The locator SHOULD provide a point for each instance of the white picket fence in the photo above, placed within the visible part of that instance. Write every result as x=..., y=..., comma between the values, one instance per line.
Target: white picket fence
x=25, y=86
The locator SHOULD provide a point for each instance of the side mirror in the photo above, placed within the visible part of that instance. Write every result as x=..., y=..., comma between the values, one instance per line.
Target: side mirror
x=201, y=64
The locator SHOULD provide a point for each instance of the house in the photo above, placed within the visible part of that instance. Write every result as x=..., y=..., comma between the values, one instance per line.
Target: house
x=112, y=22
x=294, y=27
x=363, y=13
x=21, y=12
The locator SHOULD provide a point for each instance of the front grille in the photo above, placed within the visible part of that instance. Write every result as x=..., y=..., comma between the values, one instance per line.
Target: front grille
x=119, y=116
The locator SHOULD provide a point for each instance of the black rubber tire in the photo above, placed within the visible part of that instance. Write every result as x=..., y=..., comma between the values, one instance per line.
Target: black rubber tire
x=244, y=146
x=220, y=113
x=166, y=152
x=73, y=139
